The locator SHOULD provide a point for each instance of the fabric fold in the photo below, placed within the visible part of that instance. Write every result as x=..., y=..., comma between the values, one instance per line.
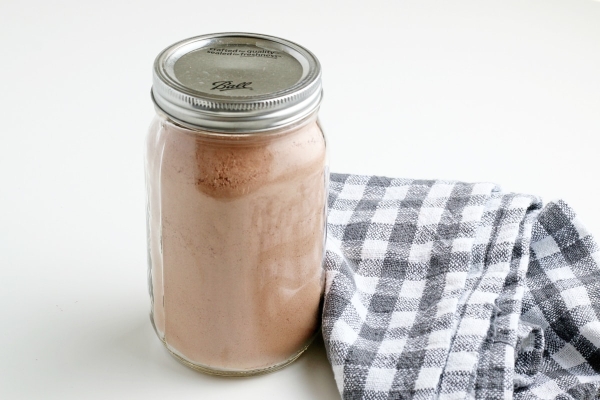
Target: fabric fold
x=428, y=290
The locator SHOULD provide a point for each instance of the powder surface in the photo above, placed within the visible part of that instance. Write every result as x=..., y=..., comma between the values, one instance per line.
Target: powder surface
x=239, y=279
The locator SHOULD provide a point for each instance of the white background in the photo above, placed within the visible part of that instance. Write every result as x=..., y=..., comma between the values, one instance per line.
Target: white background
x=503, y=91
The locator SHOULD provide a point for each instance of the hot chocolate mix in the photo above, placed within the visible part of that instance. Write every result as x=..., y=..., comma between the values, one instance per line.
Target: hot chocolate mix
x=240, y=221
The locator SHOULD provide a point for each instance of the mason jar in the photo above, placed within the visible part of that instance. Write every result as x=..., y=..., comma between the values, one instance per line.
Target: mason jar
x=236, y=176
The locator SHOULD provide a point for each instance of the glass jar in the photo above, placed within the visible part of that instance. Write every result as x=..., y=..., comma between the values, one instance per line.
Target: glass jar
x=236, y=178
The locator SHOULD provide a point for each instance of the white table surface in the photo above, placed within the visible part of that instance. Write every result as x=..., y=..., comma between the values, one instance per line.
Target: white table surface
x=503, y=91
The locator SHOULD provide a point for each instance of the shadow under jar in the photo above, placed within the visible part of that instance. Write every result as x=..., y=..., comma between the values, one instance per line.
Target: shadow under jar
x=236, y=177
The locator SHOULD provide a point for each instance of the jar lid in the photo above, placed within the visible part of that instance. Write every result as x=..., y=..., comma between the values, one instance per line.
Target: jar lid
x=236, y=82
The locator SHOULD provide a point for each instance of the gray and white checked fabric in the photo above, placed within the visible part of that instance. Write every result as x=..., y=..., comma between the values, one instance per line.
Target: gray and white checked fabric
x=450, y=290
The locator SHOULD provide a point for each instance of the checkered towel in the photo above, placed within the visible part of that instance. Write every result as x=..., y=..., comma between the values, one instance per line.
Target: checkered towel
x=449, y=290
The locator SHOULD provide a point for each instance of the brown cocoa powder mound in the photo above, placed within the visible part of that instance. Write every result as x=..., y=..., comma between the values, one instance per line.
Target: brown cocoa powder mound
x=226, y=172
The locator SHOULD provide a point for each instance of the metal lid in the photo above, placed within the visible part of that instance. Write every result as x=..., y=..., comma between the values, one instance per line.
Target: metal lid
x=236, y=82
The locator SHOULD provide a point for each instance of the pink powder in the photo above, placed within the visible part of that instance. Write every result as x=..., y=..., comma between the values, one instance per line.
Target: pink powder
x=241, y=222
